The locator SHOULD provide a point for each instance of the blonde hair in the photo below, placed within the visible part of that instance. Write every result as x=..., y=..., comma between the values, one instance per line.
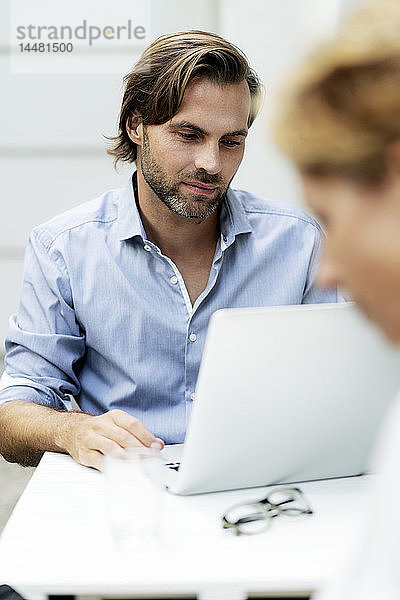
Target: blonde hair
x=157, y=83
x=340, y=111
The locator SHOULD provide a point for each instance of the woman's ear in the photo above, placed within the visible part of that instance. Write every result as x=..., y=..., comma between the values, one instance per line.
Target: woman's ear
x=392, y=159
x=134, y=128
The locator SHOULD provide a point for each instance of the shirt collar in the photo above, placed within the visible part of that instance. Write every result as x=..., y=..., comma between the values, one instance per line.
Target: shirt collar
x=233, y=218
x=129, y=222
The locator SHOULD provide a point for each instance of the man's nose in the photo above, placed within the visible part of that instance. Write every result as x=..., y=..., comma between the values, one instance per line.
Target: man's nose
x=208, y=158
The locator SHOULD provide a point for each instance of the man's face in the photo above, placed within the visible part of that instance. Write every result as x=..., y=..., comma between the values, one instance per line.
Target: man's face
x=362, y=251
x=190, y=160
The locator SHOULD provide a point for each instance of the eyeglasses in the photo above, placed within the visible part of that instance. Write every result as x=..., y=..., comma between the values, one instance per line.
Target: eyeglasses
x=249, y=518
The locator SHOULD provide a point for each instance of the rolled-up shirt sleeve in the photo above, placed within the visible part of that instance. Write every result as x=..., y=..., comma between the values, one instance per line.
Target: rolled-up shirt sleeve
x=44, y=341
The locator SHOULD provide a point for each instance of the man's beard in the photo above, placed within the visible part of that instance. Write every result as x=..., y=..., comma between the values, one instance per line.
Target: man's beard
x=196, y=207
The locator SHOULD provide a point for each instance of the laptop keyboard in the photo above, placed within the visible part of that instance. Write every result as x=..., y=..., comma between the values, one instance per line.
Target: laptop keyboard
x=173, y=465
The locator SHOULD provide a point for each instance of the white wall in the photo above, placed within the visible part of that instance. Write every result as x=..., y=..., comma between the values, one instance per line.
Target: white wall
x=52, y=154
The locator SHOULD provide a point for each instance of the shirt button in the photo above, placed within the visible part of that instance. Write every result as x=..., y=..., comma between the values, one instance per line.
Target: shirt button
x=192, y=337
x=147, y=248
x=174, y=279
x=193, y=396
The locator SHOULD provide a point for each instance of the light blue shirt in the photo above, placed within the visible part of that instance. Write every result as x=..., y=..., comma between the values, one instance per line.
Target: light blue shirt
x=105, y=317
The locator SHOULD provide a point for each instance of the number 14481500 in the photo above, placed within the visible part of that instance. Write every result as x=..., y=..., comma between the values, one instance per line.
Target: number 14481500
x=42, y=47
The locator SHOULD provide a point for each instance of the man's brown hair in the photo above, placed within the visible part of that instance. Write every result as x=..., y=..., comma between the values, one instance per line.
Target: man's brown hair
x=156, y=85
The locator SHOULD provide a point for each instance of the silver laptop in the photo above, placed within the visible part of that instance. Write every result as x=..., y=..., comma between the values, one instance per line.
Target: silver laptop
x=284, y=394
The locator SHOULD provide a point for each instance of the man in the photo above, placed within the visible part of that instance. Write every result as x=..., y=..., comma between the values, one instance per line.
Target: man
x=340, y=123
x=118, y=293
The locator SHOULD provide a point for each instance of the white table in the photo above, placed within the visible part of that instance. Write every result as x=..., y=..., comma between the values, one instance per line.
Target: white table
x=58, y=541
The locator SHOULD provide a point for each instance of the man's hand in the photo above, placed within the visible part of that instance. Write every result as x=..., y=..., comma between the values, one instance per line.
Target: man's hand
x=87, y=438
x=29, y=429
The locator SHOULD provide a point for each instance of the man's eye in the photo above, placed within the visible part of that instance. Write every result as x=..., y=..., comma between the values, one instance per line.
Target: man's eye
x=230, y=143
x=187, y=136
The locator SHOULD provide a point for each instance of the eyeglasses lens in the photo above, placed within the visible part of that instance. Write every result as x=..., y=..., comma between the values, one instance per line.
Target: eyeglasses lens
x=289, y=501
x=248, y=518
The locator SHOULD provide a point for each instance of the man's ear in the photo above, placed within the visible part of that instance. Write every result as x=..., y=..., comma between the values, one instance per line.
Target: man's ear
x=134, y=128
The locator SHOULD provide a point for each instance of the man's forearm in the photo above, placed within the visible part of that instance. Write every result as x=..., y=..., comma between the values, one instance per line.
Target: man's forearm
x=28, y=430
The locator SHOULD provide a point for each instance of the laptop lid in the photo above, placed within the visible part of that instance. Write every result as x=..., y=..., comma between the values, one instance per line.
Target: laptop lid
x=286, y=394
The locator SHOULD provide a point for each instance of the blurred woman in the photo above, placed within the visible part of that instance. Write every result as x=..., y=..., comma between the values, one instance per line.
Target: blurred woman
x=339, y=121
